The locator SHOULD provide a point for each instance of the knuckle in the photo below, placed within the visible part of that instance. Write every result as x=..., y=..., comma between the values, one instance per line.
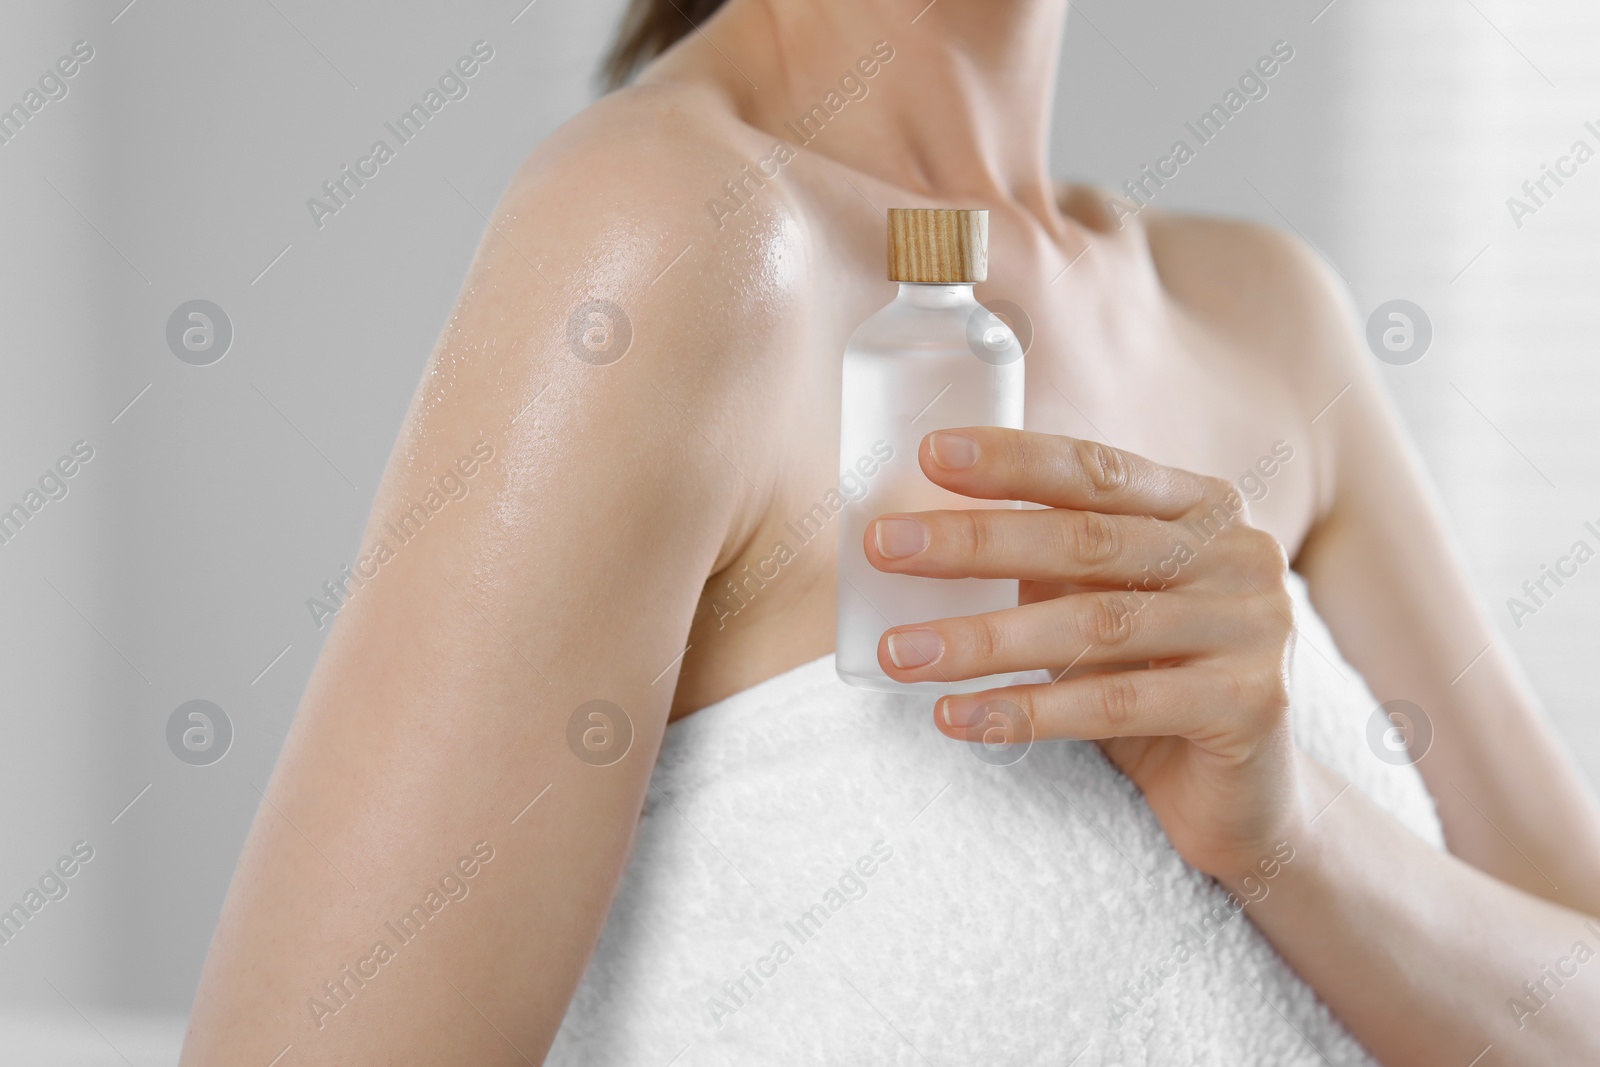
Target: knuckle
x=1090, y=537
x=1255, y=692
x=986, y=637
x=1264, y=698
x=1019, y=456
x=1105, y=470
x=1278, y=694
x=1284, y=640
x=1228, y=496
x=1233, y=689
x=1271, y=614
x=1026, y=698
x=971, y=534
x=1221, y=509
x=1105, y=621
x=1220, y=492
x=1266, y=560
x=1116, y=698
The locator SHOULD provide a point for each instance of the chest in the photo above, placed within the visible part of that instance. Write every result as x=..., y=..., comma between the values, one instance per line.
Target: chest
x=1145, y=375
x=1113, y=356
x=1109, y=357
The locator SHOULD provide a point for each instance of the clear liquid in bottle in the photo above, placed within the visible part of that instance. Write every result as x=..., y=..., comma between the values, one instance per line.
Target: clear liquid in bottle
x=933, y=358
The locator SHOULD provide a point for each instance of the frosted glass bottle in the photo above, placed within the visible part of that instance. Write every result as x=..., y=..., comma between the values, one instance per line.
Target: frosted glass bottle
x=934, y=358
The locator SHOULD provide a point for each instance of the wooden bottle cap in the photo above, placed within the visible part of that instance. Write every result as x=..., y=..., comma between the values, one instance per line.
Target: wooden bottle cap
x=939, y=246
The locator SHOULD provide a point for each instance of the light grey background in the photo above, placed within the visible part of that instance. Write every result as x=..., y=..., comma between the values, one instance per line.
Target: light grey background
x=178, y=168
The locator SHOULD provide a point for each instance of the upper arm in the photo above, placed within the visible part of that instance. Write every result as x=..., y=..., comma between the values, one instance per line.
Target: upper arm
x=565, y=568
x=1386, y=575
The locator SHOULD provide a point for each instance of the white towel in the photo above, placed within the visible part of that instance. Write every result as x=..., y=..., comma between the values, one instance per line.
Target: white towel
x=821, y=877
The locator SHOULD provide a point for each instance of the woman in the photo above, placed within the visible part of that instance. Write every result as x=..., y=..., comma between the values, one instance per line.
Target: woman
x=646, y=351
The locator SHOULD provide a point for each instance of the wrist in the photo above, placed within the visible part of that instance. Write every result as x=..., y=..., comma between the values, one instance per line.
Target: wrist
x=1298, y=851
x=1292, y=837
x=1251, y=882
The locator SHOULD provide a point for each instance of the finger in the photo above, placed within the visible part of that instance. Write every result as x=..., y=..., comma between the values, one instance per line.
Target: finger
x=1081, y=629
x=1197, y=702
x=994, y=463
x=1055, y=545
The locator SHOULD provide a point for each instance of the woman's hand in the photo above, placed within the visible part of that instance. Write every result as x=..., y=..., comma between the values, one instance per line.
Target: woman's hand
x=1161, y=612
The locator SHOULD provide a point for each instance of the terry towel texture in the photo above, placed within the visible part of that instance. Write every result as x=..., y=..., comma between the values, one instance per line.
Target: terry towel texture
x=820, y=877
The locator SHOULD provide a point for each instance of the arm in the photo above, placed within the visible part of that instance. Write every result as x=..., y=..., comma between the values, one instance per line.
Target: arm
x=1386, y=576
x=1416, y=950
x=435, y=738
x=1426, y=959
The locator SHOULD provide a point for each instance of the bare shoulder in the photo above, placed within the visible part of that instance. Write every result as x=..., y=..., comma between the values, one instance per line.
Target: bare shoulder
x=1222, y=270
x=1265, y=292
x=603, y=288
x=612, y=335
x=612, y=208
x=1255, y=282
x=1266, y=297
x=626, y=182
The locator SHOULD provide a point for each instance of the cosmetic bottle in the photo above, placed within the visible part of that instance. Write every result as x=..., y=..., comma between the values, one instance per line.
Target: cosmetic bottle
x=933, y=358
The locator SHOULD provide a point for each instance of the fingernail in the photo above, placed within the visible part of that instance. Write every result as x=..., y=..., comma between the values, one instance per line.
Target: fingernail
x=914, y=648
x=898, y=538
x=962, y=712
x=953, y=452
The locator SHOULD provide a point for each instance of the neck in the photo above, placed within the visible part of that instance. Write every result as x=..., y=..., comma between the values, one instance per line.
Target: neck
x=960, y=111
